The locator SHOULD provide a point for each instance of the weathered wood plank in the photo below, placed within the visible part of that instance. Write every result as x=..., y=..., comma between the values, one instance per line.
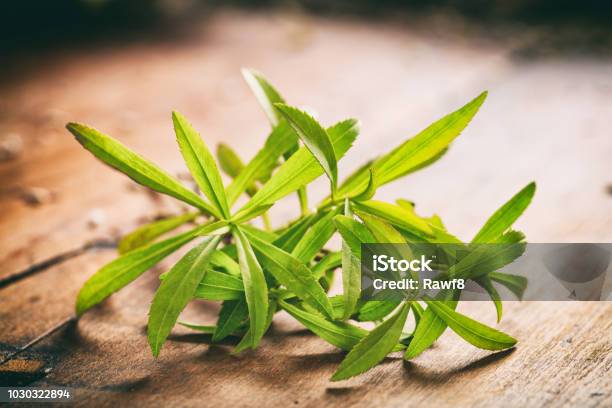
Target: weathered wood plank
x=395, y=80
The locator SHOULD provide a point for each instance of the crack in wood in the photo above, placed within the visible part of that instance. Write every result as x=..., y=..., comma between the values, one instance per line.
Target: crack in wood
x=65, y=322
x=55, y=260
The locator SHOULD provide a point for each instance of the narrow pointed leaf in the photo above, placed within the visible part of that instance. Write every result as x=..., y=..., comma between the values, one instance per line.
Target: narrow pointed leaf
x=139, y=169
x=353, y=233
x=219, y=286
x=476, y=333
x=330, y=261
x=351, y=257
x=265, y=93
x=221, y=260
x=255, y=288
x=369, y=190
x=176, y=291
x=515, y=283
x=201, y=163
x=485, y=258
x=373, y=348
x=351, y=280
x=429, y=328
x=245, y=343
x=340, y=334
x=315, y=238
x=375, y=310
x=281, y=139
x=314, y=137
x=395, y=215
x=259, y=233
x=299, y=170
x=229, y=161
x=292, y=274
x=419, y=151
x=232, y=315
x=147, y=233
x=503, y=218
x=292, y=235
x=417, y=310
x=485, y=282
x=232, y=165
x=198, y=327
x=123, y=270
x=382, y=231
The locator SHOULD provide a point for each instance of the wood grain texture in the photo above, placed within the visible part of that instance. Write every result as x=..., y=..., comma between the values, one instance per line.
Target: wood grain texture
x=545, y=120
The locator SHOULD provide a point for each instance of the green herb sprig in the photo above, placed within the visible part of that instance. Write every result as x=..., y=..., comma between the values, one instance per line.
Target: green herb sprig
x=256, y=272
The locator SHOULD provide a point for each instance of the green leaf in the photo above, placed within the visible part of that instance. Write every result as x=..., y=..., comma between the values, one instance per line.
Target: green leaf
x=246, y=339
x=315, y=238
x=292, y=274
x=381, y=231
x=515, y=283
x=485, y=282
x=407, y=204
x=219, y=286
x=232, y=315
x=351, y=280
x=429, y=328
x=242, y=217
x=374, y=310
x=232, y=165
x=485, y=258
x=417, y=310
x=289, y=238
x=314, y=137
x=139, y=169
x=303, y=199
x=353, y=233
x=229, y=161
x=369, y=191
x=351, y=267
x=337, y=303
x=299, y=170
x=221, y=260
x=255, y=288
x=395, y=215
x=176, y=291
x=198, y=327
x=357, y=176
x=373, y=348
x=330, y=261
x=123, y=270
x=503, y=218
x=419, y=151
x=478, y=334
x=265, y=93
x=340, y=334
x=201, y=163
x=147, y=233
x=281, y=139
x=259, y=233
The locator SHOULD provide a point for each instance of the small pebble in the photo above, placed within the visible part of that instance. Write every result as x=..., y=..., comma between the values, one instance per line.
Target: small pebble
x=36, y=196
x=11, y=146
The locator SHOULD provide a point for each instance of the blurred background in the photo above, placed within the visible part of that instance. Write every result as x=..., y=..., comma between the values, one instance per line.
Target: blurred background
x=122, y=66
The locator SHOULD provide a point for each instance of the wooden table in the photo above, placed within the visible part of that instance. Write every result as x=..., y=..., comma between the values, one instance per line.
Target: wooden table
x=545, y=119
